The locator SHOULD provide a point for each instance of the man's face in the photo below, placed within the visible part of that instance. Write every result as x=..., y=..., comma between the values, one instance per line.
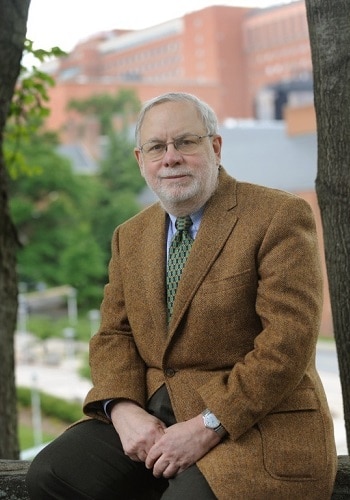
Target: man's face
x=183, y=182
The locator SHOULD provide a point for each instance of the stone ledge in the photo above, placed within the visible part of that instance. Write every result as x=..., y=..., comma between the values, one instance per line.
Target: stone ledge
x=12, y=479
x=342, y=481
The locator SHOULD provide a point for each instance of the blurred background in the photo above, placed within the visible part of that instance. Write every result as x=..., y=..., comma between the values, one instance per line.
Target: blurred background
x=76, y=178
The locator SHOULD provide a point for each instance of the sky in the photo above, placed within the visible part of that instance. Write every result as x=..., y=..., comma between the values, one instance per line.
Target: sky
x=64, y=23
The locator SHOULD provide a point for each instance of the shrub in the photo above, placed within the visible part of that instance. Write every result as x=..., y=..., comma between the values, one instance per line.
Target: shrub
x=67, y=411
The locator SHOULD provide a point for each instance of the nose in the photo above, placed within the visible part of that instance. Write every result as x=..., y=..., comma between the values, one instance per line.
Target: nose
x=171, y=156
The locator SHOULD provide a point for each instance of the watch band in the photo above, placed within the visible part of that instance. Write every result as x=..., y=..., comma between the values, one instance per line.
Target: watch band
x=211, y=422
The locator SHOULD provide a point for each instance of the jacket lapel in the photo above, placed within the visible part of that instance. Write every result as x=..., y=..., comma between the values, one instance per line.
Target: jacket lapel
x=218, y=221
x=152, y=264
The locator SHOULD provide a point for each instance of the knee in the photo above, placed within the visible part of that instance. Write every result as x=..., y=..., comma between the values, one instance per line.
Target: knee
x=38, y=478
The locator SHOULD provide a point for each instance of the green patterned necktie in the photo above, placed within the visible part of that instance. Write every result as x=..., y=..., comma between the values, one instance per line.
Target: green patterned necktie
x=178, y=252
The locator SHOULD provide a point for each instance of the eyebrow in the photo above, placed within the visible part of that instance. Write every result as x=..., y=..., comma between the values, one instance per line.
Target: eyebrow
x=156, y=139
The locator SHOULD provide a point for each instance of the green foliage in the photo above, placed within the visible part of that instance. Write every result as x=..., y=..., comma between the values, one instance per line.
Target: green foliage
x=29, y=107
x=43, y=327
x=52, y=216
x=26, y=437
x=65, y=221
x=119, y=169
x=123, y=106
x=57, y=410
x=66, y=411
x=82, y=263
x=113, y=209
x=84, y=370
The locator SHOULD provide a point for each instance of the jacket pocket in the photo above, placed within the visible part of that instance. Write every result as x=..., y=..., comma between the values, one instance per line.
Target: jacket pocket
x=224, y=283
x=294, y=439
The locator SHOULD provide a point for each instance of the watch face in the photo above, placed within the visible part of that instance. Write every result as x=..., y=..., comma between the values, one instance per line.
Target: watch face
x=211, y=421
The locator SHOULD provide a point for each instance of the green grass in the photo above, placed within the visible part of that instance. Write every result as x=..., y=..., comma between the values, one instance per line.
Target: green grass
x=53, y=409
x=26, y=437
x=51, y=406
x=327, y=338
x=44, y=327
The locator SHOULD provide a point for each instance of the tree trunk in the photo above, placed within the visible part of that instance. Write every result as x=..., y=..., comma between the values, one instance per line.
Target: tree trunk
x=13, y=19
x=329, y=28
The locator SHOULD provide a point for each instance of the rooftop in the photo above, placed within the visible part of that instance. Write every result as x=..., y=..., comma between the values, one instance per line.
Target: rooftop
x=262, y=153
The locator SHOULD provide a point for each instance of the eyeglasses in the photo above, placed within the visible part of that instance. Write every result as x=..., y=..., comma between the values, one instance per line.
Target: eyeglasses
x=186, y=144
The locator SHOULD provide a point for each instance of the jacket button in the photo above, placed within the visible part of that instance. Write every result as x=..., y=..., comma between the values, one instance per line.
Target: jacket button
x=169, y=372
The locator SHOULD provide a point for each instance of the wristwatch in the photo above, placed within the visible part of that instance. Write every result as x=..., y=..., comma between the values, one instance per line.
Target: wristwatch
x=211, y=422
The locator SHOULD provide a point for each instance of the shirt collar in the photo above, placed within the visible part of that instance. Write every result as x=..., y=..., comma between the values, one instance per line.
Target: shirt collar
x=196, y=219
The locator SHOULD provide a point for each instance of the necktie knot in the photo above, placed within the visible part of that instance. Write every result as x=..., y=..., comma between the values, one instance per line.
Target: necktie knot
x=183, y=223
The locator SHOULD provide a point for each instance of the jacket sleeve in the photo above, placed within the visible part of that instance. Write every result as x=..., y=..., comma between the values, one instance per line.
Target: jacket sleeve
x=288, y=303
x=117, y=370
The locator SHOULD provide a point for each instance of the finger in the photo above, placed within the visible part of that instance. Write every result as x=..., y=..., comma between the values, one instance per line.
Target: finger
x=136, y=458
x=159, y=469
x=167, y=471
x=152, y=457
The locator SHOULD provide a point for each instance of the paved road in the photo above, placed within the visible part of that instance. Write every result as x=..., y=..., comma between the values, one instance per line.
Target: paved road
x=327, y=365
x=64, y=381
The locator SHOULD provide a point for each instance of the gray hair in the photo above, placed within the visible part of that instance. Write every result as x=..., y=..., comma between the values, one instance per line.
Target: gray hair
x=205, y=112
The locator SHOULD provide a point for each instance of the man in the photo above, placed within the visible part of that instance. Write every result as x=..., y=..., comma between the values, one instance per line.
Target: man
x=213, y=393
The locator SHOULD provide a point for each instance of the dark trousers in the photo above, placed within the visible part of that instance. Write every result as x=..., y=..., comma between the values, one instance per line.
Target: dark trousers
x=87, y=462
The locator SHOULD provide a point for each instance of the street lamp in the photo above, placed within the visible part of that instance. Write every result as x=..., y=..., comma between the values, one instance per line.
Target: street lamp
x=94, y=317
x=36, y=413
x=69, y=335
x=72, y=306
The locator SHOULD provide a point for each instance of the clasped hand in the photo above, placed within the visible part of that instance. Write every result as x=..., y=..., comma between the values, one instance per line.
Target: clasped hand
x=166, y=450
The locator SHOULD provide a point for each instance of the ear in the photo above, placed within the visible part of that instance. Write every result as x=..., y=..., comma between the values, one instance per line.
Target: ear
x=139, y=159
x=217, y=144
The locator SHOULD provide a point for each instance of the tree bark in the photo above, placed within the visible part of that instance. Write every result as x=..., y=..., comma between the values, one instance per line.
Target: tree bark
x=13, y=20
x=329, y=29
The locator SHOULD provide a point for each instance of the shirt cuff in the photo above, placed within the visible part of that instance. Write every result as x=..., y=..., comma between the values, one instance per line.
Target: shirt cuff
x=106, y=407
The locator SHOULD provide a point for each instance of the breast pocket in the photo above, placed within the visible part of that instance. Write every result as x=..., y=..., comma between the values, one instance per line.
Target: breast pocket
x=226, y=303
x=215, y=284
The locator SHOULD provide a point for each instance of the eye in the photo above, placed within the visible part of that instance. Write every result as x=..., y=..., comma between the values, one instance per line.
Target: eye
x=154, y=147
x=186, y=141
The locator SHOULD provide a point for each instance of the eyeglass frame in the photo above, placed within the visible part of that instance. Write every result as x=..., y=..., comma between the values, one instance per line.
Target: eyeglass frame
x=166, y=144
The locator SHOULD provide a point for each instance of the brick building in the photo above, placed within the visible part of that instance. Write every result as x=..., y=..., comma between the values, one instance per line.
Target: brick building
x=243, y=62
x=278, y=57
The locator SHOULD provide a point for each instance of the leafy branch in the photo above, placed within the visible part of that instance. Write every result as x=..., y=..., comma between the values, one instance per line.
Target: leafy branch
x=29, y=106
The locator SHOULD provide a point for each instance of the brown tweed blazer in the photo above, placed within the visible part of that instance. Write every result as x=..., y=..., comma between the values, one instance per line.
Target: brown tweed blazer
x=241, y=340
